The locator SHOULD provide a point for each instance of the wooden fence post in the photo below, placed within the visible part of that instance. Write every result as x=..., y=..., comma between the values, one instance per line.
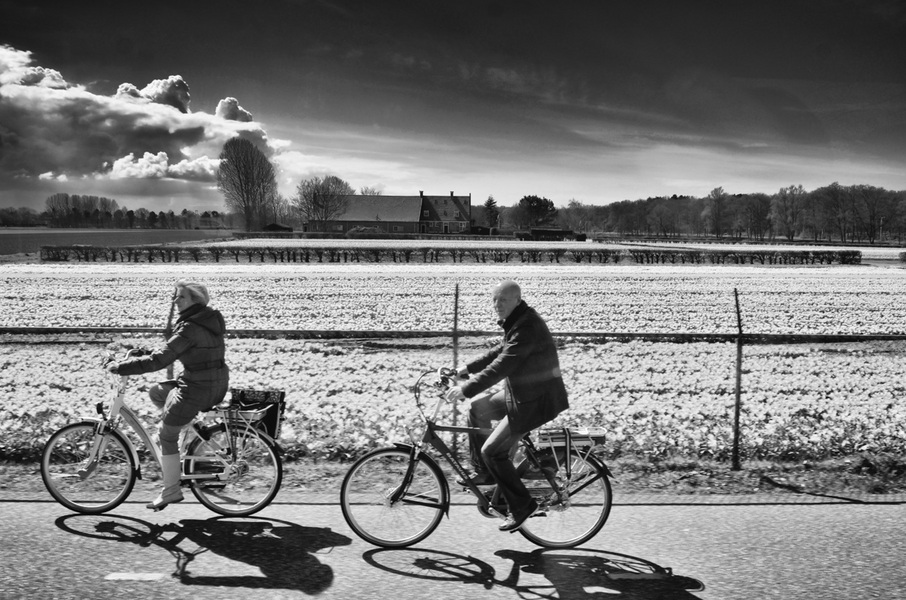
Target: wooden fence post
x=168, y=330
x=455, y=362
x=738, y=409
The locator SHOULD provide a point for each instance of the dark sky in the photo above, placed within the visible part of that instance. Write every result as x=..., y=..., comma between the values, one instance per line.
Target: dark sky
x=593, y=101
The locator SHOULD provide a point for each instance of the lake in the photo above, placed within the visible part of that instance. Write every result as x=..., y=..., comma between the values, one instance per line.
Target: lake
x=22, y=240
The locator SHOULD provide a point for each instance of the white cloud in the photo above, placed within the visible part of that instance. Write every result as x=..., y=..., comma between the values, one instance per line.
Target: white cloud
x=50, y=126
x=149, y=166
x=229, y=109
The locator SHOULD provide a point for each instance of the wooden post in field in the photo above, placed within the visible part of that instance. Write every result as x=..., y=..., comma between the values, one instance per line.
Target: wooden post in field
x=168, y=330
x=736, y=465
x=455, y=362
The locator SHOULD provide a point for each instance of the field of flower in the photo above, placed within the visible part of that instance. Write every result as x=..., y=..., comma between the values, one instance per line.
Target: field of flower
x=868, y=252
x=420, y=297
x=655, y=399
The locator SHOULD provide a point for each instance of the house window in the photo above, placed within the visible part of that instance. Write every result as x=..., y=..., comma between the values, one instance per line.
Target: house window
x=426, y=213
x=397, y=228
x=462, y=226
x=338, y=228
x=455, y=214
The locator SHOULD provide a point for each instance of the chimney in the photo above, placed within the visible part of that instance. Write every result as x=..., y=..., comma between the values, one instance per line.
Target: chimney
x=421, y=194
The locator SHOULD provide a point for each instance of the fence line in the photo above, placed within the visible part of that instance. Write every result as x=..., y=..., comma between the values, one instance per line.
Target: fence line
x=328, y=334
x=104, y=335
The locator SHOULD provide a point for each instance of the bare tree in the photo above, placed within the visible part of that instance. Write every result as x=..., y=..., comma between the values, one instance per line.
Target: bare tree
x=247, y=180
x=787, y=208
x=715, y=211
x=322, y=199
x=370, y=191
x=757, y=215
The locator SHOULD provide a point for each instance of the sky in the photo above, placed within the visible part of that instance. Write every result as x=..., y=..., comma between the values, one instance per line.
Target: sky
x=594, y=101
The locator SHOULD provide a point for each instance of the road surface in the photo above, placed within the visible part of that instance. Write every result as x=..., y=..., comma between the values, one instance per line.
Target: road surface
x=299, y=550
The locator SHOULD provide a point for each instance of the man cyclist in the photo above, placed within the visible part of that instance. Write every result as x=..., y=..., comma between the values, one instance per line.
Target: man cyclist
x=534, y=394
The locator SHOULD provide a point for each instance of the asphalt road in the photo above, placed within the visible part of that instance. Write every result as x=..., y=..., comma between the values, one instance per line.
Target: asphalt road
x=299, y=550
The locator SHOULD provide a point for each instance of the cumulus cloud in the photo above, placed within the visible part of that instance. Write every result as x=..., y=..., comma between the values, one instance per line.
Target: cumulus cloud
x=51, y=128
x=157, y=166
x=229, y=109
x=172, y=91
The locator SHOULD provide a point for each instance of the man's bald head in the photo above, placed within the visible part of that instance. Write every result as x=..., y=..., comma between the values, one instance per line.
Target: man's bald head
x=507, y=296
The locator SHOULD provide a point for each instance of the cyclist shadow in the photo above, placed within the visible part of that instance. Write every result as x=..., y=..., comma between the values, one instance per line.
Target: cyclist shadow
x=575, y=573
x=282, y=551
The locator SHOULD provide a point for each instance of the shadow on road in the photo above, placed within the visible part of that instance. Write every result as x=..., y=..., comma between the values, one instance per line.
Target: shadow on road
x=283, y=551
x=571, y=573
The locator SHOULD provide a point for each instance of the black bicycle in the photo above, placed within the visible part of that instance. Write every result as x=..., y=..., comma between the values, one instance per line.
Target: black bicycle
x=394, y=497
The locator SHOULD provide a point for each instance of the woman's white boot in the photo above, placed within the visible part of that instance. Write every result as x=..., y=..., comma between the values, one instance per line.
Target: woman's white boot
x=171, y=494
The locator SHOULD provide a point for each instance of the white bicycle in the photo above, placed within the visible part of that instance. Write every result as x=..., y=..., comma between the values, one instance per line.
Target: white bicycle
x=229, y=455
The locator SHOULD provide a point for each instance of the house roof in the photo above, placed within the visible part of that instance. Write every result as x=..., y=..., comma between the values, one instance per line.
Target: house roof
x=382, y=208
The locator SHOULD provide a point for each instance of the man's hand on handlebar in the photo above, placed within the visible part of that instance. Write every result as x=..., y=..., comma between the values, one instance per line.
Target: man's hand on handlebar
x=454, y=394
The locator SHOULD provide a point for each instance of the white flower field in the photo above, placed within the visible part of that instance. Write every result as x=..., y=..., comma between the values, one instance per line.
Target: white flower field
x=573, y=298
x=658, y=399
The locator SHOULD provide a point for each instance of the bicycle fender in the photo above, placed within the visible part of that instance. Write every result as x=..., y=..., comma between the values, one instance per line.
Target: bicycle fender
x=431, y=464
x=277, y=447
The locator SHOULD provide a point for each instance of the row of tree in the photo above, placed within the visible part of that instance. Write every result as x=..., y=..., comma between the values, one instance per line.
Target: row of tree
x=854, y=213
x=81, y=211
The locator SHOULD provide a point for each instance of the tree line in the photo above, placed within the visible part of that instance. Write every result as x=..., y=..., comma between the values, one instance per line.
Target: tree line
x=64, y=210
x=848, y=214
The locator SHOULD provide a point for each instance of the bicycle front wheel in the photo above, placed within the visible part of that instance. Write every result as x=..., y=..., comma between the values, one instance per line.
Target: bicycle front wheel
x=577, y=509
x=84, y=483
x=233, y=479
x=386, y=510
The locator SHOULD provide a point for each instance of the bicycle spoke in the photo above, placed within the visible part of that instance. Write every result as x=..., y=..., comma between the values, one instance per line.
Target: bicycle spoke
x=367, y=494
x=238, y=478
x=577, y=510
x=82, y=482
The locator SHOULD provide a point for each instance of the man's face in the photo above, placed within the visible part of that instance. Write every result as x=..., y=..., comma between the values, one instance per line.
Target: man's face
x=504, y=302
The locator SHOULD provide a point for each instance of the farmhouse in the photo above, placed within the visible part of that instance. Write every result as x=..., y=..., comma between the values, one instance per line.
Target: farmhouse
x=405, y=214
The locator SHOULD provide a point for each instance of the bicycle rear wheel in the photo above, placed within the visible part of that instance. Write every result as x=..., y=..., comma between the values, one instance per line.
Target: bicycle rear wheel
x=382, y=509
x=574, y=513
x=87, y=486
x=233, y=480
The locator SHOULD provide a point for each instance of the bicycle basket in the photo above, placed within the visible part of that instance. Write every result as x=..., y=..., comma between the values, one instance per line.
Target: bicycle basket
x=271, y=403
x=579, y=436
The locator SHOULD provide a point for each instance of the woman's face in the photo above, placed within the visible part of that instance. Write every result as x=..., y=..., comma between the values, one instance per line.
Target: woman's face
x=183, y=300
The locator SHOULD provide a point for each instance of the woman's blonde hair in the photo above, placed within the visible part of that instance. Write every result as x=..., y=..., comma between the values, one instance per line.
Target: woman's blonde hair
x=197, y=291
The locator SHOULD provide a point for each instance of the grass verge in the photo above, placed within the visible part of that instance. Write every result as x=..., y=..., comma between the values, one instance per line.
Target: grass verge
x=856, y=475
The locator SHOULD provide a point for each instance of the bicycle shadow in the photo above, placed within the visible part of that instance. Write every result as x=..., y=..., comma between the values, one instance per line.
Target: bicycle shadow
x=575, y=573
x=283, y=551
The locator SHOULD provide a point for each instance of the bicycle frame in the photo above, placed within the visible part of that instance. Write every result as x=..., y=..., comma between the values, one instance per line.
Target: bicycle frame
x=104, y=424
x=431, y=438
x=118, y=408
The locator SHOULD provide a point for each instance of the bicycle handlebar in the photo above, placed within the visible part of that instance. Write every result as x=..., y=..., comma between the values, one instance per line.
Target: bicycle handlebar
x=132, y=352
x=447, y=376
